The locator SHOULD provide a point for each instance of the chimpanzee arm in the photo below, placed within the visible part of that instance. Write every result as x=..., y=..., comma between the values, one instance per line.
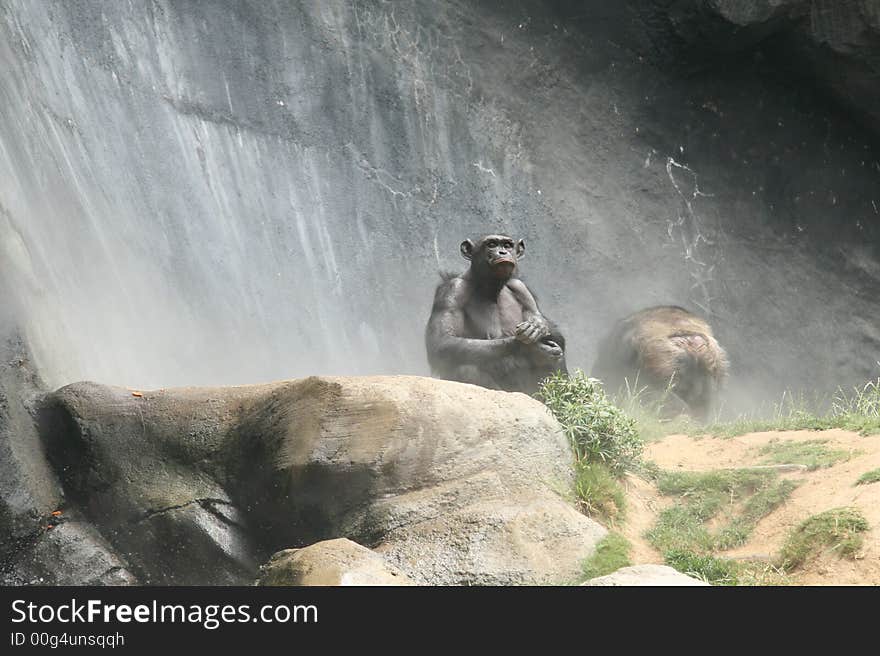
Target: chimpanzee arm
x=443, y=336
x=534, y=325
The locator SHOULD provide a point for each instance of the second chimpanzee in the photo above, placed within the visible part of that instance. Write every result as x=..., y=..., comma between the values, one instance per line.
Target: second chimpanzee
x=485, y=327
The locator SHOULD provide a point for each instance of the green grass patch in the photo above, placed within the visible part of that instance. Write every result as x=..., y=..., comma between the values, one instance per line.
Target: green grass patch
x=678, y=528
x=717, y=571
x=867, y=478
x=812, y=453
x=759, y=572
x=734, y=500
x=612, y=553
x=838, y=530
x=856, y=410
x=598, y=492
x=744, y=496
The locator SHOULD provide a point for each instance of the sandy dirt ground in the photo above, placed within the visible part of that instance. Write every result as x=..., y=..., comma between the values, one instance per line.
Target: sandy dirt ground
x=819, y=490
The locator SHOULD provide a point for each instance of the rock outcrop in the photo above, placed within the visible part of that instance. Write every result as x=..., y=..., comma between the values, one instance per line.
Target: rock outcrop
x=40, y=543
x=450, y=483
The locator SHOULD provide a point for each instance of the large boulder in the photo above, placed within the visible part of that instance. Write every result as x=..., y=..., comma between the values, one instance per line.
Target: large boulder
x=451, y=483
x=331, y=562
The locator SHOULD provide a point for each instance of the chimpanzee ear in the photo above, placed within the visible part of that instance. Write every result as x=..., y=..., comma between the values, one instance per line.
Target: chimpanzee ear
x=520, y=248
x=467, y=249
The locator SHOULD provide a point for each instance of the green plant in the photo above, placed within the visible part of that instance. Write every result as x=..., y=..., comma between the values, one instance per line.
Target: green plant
x=857, y=410
x=702, y=496
x=611, y=554
x=839, y=530
x=598, y=430
x=656, y=414
x=867, y=478
x=739, y=497
x=680, y=527
x=717, y=571
x=759, y=505
x=597, y=491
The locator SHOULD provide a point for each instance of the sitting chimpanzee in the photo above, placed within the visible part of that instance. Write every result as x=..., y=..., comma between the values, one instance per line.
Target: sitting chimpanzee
x=485, y=327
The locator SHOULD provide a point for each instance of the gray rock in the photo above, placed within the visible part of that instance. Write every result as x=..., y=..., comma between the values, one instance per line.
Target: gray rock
x=29, y=489
x=650, y=575
x=40, y=544
x=148, y=472
x=71, y=553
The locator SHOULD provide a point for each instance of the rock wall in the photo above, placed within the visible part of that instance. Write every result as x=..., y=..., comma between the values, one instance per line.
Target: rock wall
x=232, y=192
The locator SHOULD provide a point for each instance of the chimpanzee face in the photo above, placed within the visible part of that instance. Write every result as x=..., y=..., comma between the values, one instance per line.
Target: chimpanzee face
x=496, y=253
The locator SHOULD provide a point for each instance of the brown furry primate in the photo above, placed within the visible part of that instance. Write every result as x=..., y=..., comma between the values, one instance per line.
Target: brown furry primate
x=665, y=347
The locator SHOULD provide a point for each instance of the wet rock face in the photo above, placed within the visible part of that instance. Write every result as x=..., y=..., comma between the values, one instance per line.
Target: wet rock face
x=280, y=160
x=835, y=43
x=449, y=483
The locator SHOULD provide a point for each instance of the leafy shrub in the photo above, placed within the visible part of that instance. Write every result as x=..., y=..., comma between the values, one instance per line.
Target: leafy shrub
x=598, y=430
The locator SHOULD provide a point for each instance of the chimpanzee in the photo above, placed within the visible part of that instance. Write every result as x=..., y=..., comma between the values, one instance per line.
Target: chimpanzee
x=485, y=327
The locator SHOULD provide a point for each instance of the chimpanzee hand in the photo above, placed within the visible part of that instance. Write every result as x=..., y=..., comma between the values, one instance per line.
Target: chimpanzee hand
x=532, y=329
x=547, y=352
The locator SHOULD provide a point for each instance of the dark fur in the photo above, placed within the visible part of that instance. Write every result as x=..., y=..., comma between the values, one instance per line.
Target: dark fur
x=470, y=336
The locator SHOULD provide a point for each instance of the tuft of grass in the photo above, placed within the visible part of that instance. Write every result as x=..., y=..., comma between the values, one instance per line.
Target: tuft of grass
x=721, y=481
x=812, y=453
x=679, y=528
x=598, y=492
x=656, y=414
x=759, y=572
x=855, y=410
x=858, y=410
x=612, y=553
x=838, y=530
x=867, y=478
x=717, y=571
x=598, y=430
